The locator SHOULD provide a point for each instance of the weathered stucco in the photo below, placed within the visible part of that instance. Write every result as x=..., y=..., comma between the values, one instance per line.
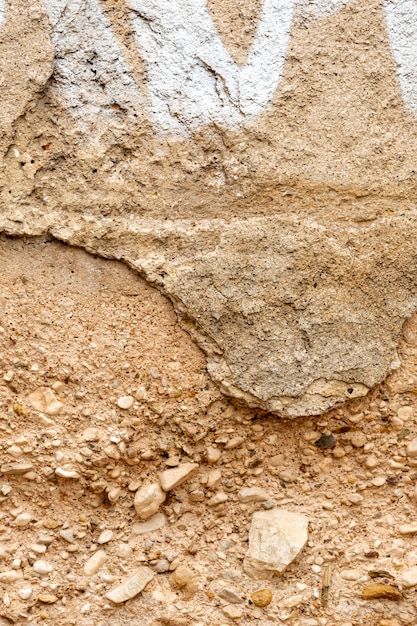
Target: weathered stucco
x=254, y=160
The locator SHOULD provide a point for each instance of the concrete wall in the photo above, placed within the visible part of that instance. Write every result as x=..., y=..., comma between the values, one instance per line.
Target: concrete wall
x=254, y=160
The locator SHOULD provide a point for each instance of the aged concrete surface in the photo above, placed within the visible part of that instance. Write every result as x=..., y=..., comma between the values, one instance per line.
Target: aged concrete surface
x=253, y=160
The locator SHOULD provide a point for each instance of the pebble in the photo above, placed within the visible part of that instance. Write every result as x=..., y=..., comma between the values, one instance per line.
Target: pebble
x=350, y=574
x=67, y=534
x=15, y=451
x=64, y=473
x=45, y=539
x=324, y=442
x=378, y=590
x=125, y=402
x=275, y=539
x=95, y=562
x=11, y=576
x=261, y=598
x=412, y=449
x=217, y=499
x=184, y=578
x=213, y=478
x=235, y=442
x=358, y=439
x=230, y=596
x=123, y=550
x=161, y=566
x=253, y=494
x=43, y=567
x=47, y=598
x=371, y=462
x=292, y=601
x=22, y=520
x=38, y=548
x=409, y=577
x=232, y=611
x=131, y=585
x=105, y=537
x=154, y=523
x=44, y=400
x=405, y=413
x=378, y=481
x=148, y=500
x=24, y=593
x=172, y=478
x=213, y=455
x=355, y=498
x=408, y=529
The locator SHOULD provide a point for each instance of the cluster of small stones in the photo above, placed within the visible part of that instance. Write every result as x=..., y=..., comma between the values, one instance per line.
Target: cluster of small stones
x=126, y=491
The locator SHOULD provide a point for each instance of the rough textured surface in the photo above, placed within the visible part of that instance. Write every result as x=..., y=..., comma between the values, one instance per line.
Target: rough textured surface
x=271, y=195
x=92, y=331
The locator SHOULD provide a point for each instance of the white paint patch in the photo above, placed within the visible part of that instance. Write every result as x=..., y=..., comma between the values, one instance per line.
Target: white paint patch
x=401, y=18
x=2, y=12
x=192, y=79
x=90, y=72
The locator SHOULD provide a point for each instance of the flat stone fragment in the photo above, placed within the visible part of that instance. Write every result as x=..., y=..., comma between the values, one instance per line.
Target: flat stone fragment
x=154, y=523
x=44, y=400
x=131, y=585
x=409, y=577
x=148, y=500
x=232, y=611
x=370, y=592
x=15, y=469
x=253, y=494
x=275, y=539
x=230, y=596
x=172, y=478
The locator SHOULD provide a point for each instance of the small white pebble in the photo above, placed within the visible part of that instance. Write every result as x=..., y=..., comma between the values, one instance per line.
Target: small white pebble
x=43, y=567
x=105, y=536
x=125, y=402
x=24, y=593
x=378, y=481
x=22, y=520
x=355, y=498
x=38, y=548
x=67, y=534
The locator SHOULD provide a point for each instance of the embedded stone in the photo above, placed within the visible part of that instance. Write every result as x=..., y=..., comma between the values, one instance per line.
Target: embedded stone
x=276, y=537
x=131, y=586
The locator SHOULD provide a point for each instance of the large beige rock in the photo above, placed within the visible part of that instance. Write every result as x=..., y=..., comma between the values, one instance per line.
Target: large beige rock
x=248, y=178
x=275, y=539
